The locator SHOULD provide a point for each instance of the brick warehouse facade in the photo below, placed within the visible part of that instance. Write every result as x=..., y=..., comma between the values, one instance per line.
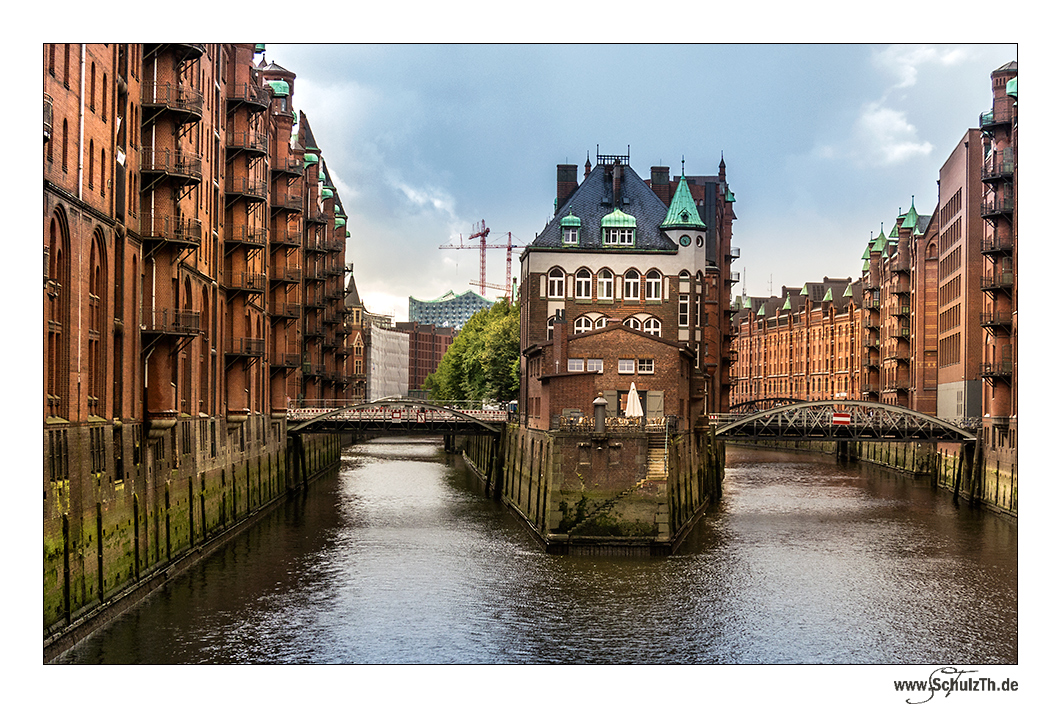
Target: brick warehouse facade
x=193, y=286
x=937, y=300
x=642, y=266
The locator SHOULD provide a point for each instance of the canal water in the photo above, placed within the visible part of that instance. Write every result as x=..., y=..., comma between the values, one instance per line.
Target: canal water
x=399, y=558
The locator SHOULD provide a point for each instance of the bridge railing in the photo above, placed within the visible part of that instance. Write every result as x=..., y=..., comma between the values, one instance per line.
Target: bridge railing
x=614, y=424
x=394, y=412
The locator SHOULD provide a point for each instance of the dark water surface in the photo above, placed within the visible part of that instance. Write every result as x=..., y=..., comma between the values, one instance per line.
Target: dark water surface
x=399, y=558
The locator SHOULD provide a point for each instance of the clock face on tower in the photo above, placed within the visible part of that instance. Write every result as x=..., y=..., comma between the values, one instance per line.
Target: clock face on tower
x=684, y=240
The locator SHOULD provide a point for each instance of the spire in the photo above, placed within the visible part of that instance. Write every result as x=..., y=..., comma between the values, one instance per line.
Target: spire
x=911, y=220
x=722, y=165
x=683, y=210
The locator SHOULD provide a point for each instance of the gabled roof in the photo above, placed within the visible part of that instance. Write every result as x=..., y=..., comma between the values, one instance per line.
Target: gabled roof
x=352, y=298
x=683, y=210
x=592, y=201
x=305, y=134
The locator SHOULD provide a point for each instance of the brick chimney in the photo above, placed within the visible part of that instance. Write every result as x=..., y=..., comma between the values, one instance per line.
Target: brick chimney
x=560, y=343
x=617, y=178
x=567, y=176
x=659, y=182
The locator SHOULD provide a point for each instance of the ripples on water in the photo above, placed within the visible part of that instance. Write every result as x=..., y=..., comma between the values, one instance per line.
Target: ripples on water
x=400, y=559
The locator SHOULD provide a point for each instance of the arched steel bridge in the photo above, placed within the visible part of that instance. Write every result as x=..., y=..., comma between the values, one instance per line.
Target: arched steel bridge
x=395, y=416
x=841, y=420
x=755, y=405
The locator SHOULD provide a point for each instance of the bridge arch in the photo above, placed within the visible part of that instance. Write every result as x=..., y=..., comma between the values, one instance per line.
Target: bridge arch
x=843, y=420
x=756, y=405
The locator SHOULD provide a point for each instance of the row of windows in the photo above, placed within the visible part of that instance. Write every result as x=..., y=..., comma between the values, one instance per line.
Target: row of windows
x=584, y=281
x=623, y=366
x=586, y=323
x=613, y=236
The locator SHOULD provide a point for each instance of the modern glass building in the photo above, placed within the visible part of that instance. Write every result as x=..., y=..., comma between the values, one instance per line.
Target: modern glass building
x=448, y=310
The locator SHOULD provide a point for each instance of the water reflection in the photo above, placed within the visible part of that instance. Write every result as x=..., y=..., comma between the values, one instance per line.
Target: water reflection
x=400, y=559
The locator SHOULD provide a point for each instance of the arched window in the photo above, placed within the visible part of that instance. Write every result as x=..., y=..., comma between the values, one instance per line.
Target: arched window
x=601, y=322
x=55, y=352
x=651, y=327
x=582, y=283
x=631, y=285
x=633, y=323
x=66, y=144
x=653, y=285
x=604, y=284
x=92, y=88
x=103, y=170
x=583, y=324
x=549, y=326
x=92, y=163
x=555, y=283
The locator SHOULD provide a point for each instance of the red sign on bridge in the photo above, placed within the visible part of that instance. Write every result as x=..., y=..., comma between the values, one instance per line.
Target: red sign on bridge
x=842, y=418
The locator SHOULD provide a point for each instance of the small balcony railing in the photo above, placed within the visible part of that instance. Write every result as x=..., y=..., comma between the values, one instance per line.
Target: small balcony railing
x=998, y=281
x=900, y=311
x=285, y=360
x=312, y=370
x=288, y=237
x=315, y=274
x=166, y=321
x=285, y=311
x=289, y=166
x=285, y=274
x=247, y=282
x=997, y=204
x=871, y=363
x=312, y=331
x=170, y=229
x=245, y=347
x=996, y=320
x=251, y=141
x=291, y=202
x=245, y=235
x=1001, y=369
x=316, y=246
x=335, y=246
x=178, y=165
x=994, y=118
x=313, y=214
x=247, y=188
x=344, y=351
x=999, y=165
x=180, y=99
x=997, y=244
x=254, y=96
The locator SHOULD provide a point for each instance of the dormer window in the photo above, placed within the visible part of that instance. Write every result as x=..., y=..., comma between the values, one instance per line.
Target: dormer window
x=618, y=229
x=571, y=225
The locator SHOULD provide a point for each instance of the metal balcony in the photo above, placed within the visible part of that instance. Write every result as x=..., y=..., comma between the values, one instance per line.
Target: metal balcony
x=999, y=165
x=1002, y=369
x=312, y=332
x=998, y=281
x=995, y=205
x=316, y=215
x=312, y=370
x=246, y=188
x=245, y=347
x=165, y=321
x=287, y=202
x=179, y=166
x=316, y=246
x=249, y=236
x=183, y=102
x=289, y=166
x=994, y=320
x=172, y=230
x=997, y=244
x=315, y=274
x=285, y=275
x=254, y=142
x=289, y=238
x=993, y=119
x=285, y=311
x=871, y=363
x=247, y=282
x=247, y=94
x=286, y=360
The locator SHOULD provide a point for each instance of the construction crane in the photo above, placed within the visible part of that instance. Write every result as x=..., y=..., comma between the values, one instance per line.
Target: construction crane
x=481, y=234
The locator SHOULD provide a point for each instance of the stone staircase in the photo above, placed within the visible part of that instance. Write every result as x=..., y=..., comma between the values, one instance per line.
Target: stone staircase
x=656, y=461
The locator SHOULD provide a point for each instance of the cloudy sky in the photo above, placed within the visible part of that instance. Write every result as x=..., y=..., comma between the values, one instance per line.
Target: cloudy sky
x=822, y=143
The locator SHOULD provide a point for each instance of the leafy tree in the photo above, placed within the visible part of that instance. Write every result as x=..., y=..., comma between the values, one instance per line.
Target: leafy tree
x=484, y=360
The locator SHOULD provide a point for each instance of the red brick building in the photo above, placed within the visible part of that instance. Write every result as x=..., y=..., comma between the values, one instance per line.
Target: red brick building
x=622, y=286
x=193, y=286
x=427, y=345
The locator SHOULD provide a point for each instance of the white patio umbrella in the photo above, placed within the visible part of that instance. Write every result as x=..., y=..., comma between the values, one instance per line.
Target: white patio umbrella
x=634, y=406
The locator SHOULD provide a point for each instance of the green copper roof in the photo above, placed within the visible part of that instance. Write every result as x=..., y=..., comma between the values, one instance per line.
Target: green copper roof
x=748, y=302
x=311, y=159
x=894, y=235
x=340, y=221
x=328, y=192
x=571, y=220
x=788, y=305
x=847, y=292
x=911, y=220
x=618, y=218
x=866, y=265
x=804, y=290
x=829, y=296
x=760, y=311
x=866, y=251
x=879, y=243
x=1012, y=88
x=730, y=196
x=259, y=48
x=683, y=210
x=280, y=87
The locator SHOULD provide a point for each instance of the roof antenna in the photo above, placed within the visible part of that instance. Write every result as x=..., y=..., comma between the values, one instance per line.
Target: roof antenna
x=683, y=165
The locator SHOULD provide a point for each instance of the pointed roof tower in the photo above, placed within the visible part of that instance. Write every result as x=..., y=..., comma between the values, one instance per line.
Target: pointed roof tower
x=683, y=210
